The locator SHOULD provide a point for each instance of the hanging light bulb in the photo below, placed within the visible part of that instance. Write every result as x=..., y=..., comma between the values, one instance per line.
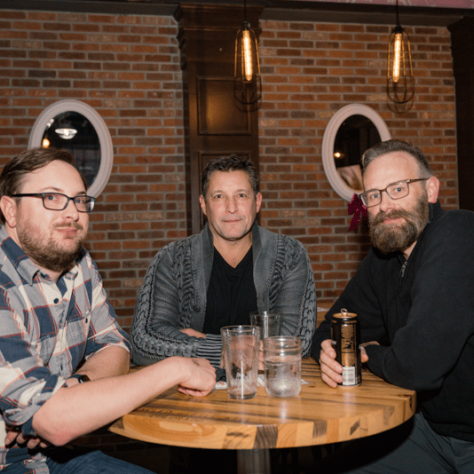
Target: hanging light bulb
x=397, y=57
x=45, y=143
x=247, y=80
x=247, y=52
x=400, y=80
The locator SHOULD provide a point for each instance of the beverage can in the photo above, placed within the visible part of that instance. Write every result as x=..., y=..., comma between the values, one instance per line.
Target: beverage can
x=346, y=341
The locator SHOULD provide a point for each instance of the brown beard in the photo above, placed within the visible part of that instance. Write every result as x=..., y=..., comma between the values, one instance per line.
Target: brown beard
x=50, y=255
x=398, y=237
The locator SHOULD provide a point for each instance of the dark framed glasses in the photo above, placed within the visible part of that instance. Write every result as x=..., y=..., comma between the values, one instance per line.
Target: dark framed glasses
x=59, y=202
x=394, y=191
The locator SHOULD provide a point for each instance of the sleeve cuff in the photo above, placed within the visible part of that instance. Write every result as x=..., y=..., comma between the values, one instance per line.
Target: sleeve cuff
x=211, y=349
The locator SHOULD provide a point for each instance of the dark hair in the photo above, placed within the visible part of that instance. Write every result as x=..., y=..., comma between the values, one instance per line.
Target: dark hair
x=30, y=160
x=229, y=163
x=390, y=146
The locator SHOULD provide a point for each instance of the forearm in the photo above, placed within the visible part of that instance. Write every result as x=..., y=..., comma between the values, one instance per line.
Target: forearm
x=74, y=411
x=155, y=332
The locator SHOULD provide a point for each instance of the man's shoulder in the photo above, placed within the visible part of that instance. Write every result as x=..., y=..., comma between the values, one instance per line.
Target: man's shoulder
x=175, y=251
x=181, y=243
x=268, y=235
x=454, y=222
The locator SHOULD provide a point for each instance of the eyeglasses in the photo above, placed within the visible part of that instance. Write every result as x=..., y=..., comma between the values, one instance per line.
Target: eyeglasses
x=59, y=202
x=394, y=191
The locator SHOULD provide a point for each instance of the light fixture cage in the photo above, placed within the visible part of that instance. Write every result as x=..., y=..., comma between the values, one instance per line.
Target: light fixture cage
x=401, y=87
x=247, y=78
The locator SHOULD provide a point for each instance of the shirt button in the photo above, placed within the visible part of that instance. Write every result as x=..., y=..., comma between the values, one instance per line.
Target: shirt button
x=56, y=300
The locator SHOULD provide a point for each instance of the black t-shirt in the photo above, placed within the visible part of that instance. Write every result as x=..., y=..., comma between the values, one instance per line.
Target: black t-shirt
x=231, y=295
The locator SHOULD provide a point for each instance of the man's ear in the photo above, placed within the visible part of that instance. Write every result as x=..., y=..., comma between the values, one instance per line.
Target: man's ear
x=258, y=201
x=9, y=209
x=432, y=189
x=202, y=202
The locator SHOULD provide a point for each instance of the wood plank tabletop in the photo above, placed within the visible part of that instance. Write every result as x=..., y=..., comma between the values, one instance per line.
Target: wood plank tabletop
x=319, y=415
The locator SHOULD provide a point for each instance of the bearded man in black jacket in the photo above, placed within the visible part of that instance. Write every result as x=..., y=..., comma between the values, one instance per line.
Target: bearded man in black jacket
x=415, y=301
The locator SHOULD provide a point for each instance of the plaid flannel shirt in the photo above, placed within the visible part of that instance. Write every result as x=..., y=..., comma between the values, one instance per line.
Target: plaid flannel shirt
x=46, y=330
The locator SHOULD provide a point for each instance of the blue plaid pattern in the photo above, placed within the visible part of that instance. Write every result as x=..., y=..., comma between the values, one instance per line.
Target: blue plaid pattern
x=46, y=330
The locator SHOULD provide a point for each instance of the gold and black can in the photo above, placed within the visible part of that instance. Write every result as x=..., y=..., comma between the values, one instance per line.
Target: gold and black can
x=346, y=341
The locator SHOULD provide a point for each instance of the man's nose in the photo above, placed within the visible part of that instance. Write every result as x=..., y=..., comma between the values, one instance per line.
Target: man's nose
x=386, y=203
x=71, y=211
x=231, y=205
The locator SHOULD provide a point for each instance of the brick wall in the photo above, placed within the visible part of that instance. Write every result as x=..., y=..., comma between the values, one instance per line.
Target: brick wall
x=127, y=68
x=311, y=70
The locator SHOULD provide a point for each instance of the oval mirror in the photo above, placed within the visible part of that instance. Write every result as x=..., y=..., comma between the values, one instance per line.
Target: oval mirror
x=76, y=127
x=352, y=130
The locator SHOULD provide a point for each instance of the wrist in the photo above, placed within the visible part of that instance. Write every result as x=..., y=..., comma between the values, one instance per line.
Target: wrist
x=80, y=378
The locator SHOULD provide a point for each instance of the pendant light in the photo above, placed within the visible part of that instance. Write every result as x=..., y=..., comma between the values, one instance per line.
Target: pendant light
x=400, y=80
x=247, y=79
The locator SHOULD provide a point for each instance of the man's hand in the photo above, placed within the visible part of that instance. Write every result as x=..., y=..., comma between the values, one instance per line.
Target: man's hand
x=330, y=369
x=199, y=378
x=192, y=333
x=14, y=434
x=363, y=354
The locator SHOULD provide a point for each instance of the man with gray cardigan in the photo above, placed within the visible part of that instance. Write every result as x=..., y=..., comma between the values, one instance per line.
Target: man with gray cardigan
x=197, y=285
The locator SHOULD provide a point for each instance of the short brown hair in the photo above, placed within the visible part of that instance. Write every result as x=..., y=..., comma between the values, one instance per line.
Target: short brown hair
x=26, y=162
x=391, y=146
x=230, y=163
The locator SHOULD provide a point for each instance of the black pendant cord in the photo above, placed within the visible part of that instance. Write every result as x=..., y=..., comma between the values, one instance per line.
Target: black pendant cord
x=398, y=18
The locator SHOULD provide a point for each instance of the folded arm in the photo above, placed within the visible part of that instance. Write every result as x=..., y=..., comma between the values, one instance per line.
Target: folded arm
x=166, y=308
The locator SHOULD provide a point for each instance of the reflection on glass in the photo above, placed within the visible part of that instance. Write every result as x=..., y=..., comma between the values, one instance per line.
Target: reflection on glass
x=72, y=132
x=355, y=135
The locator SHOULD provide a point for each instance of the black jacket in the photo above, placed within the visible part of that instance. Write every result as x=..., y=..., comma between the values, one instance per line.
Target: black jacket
x=425, y=316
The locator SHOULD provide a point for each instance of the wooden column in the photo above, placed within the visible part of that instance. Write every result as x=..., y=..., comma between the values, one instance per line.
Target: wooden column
x=462, y=45
x=215, y=123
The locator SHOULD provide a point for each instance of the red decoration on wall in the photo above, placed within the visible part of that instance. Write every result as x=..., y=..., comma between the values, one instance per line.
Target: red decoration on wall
x=357, y=208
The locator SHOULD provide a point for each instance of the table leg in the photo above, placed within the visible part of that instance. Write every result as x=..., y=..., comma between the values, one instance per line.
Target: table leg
x=253, y=461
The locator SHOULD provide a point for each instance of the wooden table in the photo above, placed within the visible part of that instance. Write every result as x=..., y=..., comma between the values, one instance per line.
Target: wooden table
x=319, y=415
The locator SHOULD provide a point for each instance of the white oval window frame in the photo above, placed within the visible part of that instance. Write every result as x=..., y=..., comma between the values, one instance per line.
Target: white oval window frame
x=329, y=138
x=105, y=140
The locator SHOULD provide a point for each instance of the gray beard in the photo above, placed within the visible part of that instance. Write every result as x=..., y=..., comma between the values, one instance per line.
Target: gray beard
x=49, y=256
x=399, y=237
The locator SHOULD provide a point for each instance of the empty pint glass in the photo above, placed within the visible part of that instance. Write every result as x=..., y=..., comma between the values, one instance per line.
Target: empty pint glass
x=269, y=323
x=240, y=349
x=282, y=358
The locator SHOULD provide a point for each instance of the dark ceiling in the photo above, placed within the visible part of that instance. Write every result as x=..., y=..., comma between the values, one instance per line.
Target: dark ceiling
x=292, y=10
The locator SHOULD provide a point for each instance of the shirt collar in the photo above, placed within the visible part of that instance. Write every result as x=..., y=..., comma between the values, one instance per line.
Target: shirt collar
x=21, y=262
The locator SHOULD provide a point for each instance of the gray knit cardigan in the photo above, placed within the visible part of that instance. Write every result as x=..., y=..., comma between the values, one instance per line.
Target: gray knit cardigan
x=173, y=295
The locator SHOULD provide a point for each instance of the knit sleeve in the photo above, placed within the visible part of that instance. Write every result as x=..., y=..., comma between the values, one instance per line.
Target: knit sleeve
x=293, y=293
x=164, y=306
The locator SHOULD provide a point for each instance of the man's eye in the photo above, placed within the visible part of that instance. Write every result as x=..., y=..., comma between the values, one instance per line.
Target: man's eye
x=52, y=197
x=242, y=195
x=217, y=196
x=397, y=189
x=373, y=196
x=80, y=199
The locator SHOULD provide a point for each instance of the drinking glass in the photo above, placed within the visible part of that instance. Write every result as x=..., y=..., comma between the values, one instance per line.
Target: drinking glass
x=241, y=346
x=269, y=323
x=282, y=359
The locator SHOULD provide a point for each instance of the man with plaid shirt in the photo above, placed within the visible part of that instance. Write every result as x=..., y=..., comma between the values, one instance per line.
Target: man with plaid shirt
x=63, y=358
